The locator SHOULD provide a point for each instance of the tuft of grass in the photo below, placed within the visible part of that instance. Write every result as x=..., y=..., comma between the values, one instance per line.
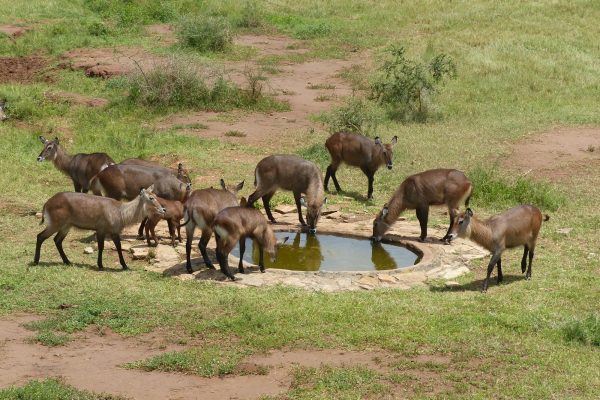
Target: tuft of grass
x=323, y=97
x=585, y=331
x=52, y=389
x=490, y=189
x=180, y=83
x=252, y=15
x=234, y=133
x=207, y=361
x=195, y=125
x=323, y=86
x=51, y=339
x=316, y=153
x=204, y=34
x=312, y=30
x=354, y=115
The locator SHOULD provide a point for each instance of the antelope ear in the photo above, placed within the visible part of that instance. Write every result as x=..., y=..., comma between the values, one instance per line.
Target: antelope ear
x=56, y=140
x=243, y=202
x=469, y=212
x=384, y=212
x=282, y=241
x=394, y=140
x=239, y=186
x=324, y=201
x=179, y=167
x=43, y=139
x=302, y=201
x=150, y=188
x=222, y=182
x=377, y=140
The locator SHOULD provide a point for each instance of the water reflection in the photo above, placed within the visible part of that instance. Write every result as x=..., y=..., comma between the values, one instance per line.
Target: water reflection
x=323, y=252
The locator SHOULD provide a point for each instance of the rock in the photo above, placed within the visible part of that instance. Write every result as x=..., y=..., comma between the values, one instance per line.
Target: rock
x=88, y=250
x=139, y=252
x=334, y=215
x=251, y=280
x=365, y=287
x=166, y=254
x=285, y=209
x=368, y=280
x=452, y=284
x=455, y=272
x=564, y=231
x=38, y=215
x=387, y=278
x=327, y=210
x=125, y=246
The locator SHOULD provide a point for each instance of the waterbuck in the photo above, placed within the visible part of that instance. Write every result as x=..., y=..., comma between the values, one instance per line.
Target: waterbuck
x=201, y=208
x=358, y=151
x=290, y=173
x=180, y=173
x=429, y=188
x=81, y=168
x=120, y=181
x=3, y=115
x=518, y=226
x=173, y=214
x=233, y=225
x=106, y=216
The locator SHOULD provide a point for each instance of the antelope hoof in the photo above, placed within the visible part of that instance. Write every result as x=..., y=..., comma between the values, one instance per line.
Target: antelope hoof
x=124, y=267
x=210, y=266
x=262, y=269
x=140, y=237
x=241, y=270
x=422, y=239
x=527, y=277
x=189, y=269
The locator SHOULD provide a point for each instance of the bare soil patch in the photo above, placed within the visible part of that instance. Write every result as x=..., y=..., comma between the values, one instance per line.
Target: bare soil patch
x=558, y=154
x=76, y=98
x=23, y=69
x=92, y=362
x=13, y=30
x=271, y=45
x=105, y=63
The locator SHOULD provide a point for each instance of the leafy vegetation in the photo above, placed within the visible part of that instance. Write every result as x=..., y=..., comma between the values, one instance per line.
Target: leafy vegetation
x=355, y=114
x=51, y=389
x=586, y=331
x=205, y=33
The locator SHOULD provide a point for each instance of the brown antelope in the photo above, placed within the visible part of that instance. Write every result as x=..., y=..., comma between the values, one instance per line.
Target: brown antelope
x=290, y=173
x=201, y=208
x=81, y=168
x=173, y=215
x=3, y=115
x=358, y=151
x=180, y=173
x=125, y=181
x=106, y=216
x=518, y=226
x=233, y=225
x=429, y=188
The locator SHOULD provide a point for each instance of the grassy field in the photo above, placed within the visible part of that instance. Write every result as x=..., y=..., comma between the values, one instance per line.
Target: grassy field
x=522, y=68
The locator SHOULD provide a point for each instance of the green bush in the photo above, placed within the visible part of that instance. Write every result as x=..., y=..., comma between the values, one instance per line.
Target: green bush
x=492, y=190
x=180, y=83
x=406, y=86
x=355, y=115
x=585, y=331
x=316, y=153
x=251, y=16
x=205, y=33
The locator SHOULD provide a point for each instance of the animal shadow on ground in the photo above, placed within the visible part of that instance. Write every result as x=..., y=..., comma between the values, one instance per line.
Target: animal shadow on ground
x=476, y=285
x=75, y=265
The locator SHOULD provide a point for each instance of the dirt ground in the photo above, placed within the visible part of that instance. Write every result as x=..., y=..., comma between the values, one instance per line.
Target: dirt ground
x=76, y=98
x=14, y=30
x=23, y=69
x=93, y=360
x=558, y=154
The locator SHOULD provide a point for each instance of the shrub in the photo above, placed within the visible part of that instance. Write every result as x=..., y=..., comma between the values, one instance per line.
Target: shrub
x=316, y=153
x=181, y=83
x=406, y=86
x=355, y=115
x=490, y=189
x=252, y=15
x=205, y=33
x=585, y=331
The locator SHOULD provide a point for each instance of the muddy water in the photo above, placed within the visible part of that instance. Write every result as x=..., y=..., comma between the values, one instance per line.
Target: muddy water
x=326, y=252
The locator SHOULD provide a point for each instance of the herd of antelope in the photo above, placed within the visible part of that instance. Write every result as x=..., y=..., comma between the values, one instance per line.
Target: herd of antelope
x=154, y=192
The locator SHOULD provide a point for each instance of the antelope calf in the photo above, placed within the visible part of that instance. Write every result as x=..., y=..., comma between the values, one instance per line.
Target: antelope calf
x=201, y=208
x=233, y=225
x=173, y=214
x=290, y=173
x=429, y=188
x=106, y=216
x=518, y=226
x=358, y=151
x=3, y=115
x=81, y=168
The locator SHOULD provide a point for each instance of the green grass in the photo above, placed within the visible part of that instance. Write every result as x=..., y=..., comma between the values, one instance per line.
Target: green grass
x=51, y=389
x=522, y=68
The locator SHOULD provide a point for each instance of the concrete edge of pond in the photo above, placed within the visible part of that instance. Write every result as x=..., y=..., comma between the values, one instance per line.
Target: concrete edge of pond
x=438, y=261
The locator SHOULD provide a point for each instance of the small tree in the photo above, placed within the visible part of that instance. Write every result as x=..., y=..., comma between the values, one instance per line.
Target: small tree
x=404, y=84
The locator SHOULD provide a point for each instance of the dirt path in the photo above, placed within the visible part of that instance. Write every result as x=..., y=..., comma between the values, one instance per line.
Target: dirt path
x=92, y=362
x=558, y=154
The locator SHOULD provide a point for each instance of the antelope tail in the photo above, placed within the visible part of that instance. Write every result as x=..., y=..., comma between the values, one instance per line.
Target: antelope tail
x=546, y=217
x=185, y=222
x=43, y=213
